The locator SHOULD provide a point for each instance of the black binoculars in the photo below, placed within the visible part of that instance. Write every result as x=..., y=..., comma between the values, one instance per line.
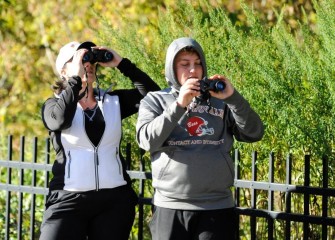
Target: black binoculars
x=213, y=85
x=97, y=55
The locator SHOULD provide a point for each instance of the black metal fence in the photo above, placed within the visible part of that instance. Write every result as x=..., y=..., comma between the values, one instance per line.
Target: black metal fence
x=316, y=224
x=20, y=179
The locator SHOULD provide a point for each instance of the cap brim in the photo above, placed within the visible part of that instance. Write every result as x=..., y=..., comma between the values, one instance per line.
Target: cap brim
x=86, y=45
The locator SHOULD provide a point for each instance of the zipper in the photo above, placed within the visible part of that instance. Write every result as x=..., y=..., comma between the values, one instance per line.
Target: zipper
x=118, y=160
x=96, y=157
x=96, y=167
x=69, y=164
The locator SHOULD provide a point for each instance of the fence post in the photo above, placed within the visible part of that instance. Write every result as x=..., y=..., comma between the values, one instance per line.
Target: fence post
x=141, y=195
x=9, y=181
x=128, y=156
x=33, y=196
x=288, y=196
x=324, y=197
x=270, y=195
x=253, y=196
x=21, y=182
x=47, y=161
x=237, y=189
x=306, y=195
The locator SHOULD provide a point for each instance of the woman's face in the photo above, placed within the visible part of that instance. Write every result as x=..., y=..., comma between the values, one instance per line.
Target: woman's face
x=89, y=69
x=187, y=65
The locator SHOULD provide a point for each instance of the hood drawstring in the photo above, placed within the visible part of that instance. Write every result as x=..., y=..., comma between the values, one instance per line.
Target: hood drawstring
x=86, y=89
x=97, y=80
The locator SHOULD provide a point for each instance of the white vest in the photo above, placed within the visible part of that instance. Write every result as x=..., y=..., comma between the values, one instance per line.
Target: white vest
x=89, y=167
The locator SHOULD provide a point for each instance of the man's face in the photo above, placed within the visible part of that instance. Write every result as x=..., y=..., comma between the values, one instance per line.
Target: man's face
x=187, y=65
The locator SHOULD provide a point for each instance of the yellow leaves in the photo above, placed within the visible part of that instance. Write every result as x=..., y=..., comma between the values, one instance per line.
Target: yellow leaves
x=76, y=25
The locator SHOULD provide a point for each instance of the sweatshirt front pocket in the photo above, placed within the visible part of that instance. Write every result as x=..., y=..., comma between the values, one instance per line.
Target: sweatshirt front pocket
x=192, y=175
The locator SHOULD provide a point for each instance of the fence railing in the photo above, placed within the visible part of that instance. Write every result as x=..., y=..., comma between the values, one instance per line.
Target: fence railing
x=31, y=180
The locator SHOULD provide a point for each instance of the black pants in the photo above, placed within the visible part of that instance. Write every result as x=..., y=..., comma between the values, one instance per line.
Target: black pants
x=170, y=224
x=104, y=214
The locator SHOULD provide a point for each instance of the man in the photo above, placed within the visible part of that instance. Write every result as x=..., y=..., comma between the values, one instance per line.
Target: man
x=189, y=131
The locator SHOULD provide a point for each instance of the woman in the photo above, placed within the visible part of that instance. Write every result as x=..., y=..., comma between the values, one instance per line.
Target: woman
x=90, y=193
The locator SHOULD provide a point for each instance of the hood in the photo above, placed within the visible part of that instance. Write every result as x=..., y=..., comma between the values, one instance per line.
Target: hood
x=172, y=51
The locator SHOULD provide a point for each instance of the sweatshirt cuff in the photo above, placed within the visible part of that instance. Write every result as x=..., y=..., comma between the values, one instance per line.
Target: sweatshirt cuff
x=234, y=99
x=176, y=111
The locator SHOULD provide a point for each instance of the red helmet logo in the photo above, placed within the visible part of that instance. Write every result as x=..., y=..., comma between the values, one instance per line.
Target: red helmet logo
x=197, y=126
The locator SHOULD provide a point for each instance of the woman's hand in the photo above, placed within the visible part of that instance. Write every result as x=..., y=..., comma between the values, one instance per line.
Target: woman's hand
x=116, y=58
x=76, y=67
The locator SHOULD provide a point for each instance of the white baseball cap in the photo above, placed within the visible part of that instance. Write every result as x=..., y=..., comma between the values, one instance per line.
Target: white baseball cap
x=67, y=52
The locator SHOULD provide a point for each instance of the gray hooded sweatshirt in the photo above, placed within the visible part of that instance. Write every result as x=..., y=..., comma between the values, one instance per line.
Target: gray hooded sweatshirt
x=190, y=149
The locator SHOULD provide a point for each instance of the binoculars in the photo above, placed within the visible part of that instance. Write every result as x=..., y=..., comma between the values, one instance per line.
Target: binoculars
x=97, y=55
